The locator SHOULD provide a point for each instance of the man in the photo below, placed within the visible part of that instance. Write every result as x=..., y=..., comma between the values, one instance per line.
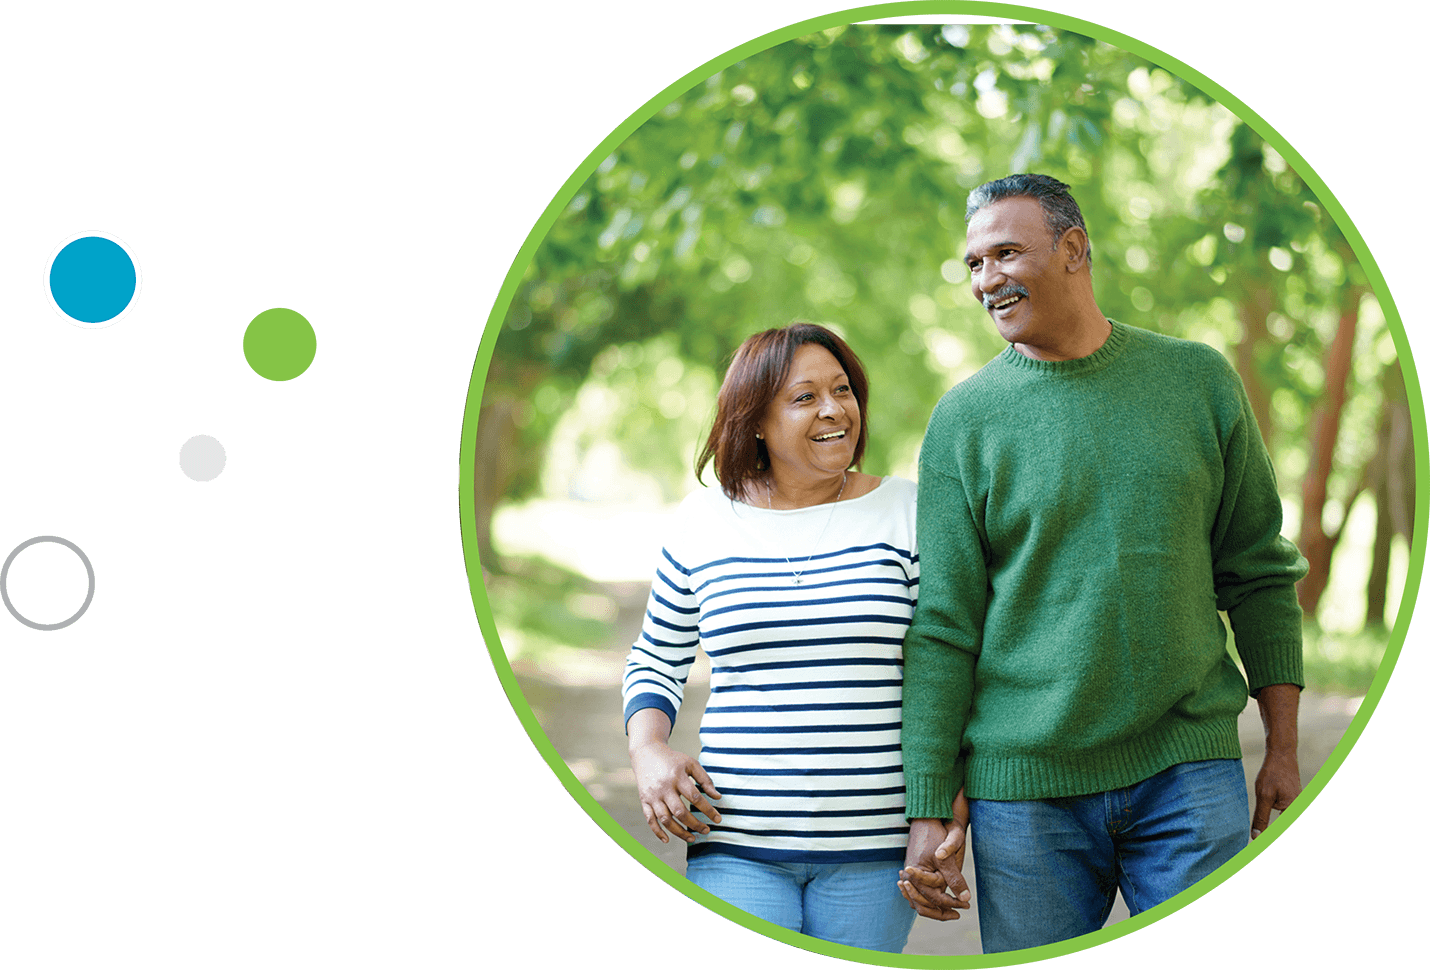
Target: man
x=1088, y=501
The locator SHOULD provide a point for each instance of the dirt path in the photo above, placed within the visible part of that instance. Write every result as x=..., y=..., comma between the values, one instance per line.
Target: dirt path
x=576, y=697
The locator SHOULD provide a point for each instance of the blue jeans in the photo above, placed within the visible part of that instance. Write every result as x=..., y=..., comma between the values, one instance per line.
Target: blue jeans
x=1050, y=870
x=854, y=903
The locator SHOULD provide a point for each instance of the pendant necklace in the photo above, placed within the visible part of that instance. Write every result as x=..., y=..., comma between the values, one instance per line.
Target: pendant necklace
x=769, y=490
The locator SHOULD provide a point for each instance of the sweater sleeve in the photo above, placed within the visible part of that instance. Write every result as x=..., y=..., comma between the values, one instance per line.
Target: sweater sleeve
x=941, y=647
x=661, y=658
x=1255, y=569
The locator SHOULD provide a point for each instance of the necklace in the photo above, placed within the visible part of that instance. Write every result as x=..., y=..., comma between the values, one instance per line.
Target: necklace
x=769, y=490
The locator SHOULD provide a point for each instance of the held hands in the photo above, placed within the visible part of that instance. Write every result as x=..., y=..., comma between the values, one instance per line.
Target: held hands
x=666, y=780
x=932, y=878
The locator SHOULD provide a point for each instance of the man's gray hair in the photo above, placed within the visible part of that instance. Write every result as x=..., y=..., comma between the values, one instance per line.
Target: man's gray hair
x=1060, y=210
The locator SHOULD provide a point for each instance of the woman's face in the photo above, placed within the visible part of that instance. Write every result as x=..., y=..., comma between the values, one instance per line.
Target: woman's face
x=812, y=426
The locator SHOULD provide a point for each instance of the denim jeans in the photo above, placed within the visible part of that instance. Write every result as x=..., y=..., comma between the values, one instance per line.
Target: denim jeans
x=1050, y=870
x=854, y=903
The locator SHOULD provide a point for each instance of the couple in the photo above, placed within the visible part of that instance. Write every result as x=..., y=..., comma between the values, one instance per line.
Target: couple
x=1023, y=651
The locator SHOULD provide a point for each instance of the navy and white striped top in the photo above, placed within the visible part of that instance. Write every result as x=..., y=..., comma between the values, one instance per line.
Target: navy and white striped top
x=801, y=733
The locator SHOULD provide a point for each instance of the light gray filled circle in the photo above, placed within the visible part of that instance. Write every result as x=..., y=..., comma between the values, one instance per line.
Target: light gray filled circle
x=202, y=458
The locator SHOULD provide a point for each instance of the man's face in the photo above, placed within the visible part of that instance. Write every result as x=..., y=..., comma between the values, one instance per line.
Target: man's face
x=1017, y=275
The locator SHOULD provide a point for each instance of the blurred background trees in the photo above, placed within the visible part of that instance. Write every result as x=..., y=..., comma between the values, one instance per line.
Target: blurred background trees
x=824, y=179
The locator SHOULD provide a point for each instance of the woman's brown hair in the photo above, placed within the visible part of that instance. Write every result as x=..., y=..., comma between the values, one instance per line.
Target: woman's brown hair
x=756, y=373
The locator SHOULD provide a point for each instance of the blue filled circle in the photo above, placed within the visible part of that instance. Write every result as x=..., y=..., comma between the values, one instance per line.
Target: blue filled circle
x=92, y=279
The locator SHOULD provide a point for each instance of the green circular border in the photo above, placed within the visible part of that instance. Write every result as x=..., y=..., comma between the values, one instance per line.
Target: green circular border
x=466, y=497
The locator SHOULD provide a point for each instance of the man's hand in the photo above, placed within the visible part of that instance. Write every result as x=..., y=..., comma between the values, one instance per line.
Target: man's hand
x=665, y=781
x=1279, y=780
x=932, y=878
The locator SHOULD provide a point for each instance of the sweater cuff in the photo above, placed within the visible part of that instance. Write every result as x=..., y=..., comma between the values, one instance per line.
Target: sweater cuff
x=931, y=795
x=642, y=701
x=1280, y=663
x=1269, y=640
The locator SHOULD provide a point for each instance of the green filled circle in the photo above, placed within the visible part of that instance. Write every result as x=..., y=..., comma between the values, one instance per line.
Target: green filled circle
x=279, y=344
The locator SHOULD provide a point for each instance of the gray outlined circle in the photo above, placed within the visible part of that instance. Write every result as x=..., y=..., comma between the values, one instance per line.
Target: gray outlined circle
x=5, y=574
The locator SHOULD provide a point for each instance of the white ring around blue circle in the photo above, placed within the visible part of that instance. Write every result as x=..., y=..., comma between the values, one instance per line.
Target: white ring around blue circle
x=5, y=584
x=95, y=325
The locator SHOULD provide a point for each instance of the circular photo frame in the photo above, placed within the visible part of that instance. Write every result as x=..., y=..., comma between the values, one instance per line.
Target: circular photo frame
x=1185, y=189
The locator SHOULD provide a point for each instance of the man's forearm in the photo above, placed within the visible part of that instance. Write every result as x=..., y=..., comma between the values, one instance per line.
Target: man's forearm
x=1279, y=780
x=1279, y=705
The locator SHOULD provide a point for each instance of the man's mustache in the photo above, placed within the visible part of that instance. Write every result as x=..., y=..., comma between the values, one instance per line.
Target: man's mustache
x=1012, y=289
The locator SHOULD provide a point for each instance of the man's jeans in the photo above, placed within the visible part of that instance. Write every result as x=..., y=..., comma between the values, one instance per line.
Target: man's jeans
x=1050, y=870
x=854, y=903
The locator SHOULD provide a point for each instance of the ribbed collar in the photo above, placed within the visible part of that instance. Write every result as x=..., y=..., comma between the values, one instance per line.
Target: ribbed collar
x=1098, y=359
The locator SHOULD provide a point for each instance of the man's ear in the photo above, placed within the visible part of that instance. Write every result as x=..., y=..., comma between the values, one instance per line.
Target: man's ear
x=1073, y=248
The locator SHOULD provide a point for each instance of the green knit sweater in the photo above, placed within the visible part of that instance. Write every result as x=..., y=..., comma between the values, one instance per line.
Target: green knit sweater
x=1080, y=525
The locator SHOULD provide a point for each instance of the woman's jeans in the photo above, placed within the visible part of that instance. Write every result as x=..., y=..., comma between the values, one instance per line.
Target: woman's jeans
x=1049, y=870
x=854, y=903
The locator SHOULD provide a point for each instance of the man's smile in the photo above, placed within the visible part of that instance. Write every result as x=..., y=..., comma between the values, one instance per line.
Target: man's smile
x=1005, y=297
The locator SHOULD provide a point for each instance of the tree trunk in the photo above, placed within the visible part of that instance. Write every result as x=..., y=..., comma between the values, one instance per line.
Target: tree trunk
x=1253, y=314
x=1393, y=475
x=1378, y=473
x=503, y=455
x=496, y=439
x=1400, y=466
x=1315, y=544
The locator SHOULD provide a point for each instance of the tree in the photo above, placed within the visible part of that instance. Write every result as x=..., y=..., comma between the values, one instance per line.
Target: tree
x=824, y=179
x=1391, y=477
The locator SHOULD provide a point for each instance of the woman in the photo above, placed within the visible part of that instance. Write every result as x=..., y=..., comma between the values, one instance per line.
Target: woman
x=798, y=577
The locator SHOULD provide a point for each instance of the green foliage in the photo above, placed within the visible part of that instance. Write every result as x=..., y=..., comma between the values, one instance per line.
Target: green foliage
x=539, y=606
x=824, y=179
x=1343, y=663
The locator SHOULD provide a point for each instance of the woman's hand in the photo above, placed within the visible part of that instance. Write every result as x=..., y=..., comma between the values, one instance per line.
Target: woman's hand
x=667, y=779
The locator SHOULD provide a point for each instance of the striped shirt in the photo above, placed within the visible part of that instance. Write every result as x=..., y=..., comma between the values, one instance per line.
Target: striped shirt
x=801, y=733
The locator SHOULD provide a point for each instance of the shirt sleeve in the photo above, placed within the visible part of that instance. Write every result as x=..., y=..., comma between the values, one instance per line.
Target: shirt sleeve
x=660, y=660
x=1255, y=569
x=942, y=645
